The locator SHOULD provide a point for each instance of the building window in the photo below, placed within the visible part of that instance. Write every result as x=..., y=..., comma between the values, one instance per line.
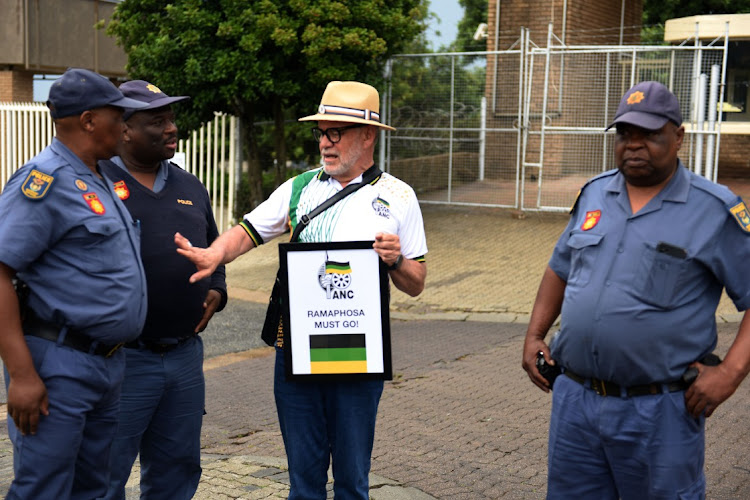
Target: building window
x=736, y=106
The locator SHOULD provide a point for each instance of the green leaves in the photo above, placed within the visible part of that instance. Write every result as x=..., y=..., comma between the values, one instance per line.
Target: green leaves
x=264, y=48
x=256, y=59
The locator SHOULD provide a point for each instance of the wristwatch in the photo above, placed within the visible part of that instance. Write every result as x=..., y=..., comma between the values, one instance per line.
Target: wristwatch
x=396, y=264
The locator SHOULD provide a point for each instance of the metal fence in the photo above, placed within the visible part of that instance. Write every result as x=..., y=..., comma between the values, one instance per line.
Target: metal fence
x=211, y=153
x=524, y=128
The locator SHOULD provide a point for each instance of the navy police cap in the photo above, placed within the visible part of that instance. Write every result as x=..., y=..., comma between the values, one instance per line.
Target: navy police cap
x=79, y=90
x=148, y=93
x=648, y=105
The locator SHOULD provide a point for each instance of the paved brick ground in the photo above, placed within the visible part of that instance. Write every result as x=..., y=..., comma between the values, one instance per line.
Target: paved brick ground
x=460, y=420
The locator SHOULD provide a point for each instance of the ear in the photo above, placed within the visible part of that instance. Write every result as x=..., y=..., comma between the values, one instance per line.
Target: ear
x=370, y=135
x=680, y=135
x=87, y=119
x=126, y=132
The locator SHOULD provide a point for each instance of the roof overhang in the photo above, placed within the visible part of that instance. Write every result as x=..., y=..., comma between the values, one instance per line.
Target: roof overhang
x=708, y=27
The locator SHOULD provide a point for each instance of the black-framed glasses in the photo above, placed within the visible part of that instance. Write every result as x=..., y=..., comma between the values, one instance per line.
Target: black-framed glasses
x=333, y=134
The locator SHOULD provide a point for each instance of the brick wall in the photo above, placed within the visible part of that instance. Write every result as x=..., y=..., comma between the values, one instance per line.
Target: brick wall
x=586, y=22
x=16, y=86
x=430, y=173
x=734, y=161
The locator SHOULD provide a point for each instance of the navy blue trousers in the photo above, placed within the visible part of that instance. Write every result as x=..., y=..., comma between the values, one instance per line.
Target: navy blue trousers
x=644, y=447
x=327, y=421
x=67, y=457
x=161, y=413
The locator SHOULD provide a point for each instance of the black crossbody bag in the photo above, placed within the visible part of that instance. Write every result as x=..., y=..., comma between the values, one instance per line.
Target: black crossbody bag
x=273, y=324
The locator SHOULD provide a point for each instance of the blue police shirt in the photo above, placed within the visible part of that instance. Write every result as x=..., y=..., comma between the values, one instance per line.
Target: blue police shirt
x=642, y=289
x=70, y=238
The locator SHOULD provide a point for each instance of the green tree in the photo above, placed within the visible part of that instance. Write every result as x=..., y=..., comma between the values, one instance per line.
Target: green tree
x=260, y=60
x=659, y=11
x=475, y=12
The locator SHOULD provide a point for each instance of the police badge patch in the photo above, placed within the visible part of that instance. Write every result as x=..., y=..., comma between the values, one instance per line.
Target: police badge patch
x=591, y=220
x=121, y=189
x=96, y=206
x=741, y=216
x=37, y=184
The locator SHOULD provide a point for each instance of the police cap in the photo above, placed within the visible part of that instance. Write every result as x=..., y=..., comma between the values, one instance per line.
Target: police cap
x=78, y=90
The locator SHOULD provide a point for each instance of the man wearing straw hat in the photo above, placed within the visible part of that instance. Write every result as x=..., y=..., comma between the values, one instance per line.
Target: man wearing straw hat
x=320, y=421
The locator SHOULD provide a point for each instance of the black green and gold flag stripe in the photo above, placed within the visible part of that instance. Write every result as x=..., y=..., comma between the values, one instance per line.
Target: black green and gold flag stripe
x=341, y=353
x=337, y=267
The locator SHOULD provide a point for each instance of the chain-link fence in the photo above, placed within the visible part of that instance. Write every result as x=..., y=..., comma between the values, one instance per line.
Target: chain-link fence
x=497, y=145
x=578, y=92
x=524, y=127
x=438, y=103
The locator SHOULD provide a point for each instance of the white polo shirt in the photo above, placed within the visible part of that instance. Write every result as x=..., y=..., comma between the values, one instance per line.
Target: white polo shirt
x=388, y=205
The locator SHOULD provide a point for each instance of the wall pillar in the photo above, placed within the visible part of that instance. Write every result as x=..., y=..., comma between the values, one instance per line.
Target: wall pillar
x=16, y=85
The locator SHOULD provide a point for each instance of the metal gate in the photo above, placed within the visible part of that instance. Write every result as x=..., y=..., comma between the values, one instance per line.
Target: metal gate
x=210, y=153
x=572, y=94
x=534, y=132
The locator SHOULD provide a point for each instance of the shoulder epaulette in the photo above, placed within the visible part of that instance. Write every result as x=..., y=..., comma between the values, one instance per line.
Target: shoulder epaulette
x=723, y=193
x=608, y=173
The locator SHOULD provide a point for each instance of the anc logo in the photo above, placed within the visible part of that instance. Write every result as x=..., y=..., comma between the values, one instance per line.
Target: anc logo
x=381, y=207
x=335, y=277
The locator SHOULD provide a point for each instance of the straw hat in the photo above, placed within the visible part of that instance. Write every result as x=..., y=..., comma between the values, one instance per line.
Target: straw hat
x=351, y=102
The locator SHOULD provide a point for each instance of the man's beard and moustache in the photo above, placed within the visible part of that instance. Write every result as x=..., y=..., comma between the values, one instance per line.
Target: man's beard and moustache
x=346, y=160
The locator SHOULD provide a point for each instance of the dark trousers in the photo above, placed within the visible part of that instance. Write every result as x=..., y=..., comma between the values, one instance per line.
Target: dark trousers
x=324, y=421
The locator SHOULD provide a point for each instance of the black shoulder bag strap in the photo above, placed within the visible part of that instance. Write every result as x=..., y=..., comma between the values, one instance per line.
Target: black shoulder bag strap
x=272, y=324
x=369, y=176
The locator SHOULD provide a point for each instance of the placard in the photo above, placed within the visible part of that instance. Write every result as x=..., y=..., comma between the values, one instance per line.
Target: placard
x=335, y=303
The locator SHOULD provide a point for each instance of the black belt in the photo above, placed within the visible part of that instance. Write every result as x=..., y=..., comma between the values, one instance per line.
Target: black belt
x=605, y=388
x=158, y=347
x=37, y=327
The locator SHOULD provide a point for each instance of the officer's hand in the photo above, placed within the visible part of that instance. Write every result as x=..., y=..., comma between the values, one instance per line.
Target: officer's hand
x=712, y=387
x=212, y=302
x=530, y=349
x=27, y=398
x=205, y=259
x=388, y=247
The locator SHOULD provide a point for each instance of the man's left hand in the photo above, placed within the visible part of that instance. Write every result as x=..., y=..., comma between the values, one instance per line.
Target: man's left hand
x=388, y=247
x=212, y=302
x=712, y=387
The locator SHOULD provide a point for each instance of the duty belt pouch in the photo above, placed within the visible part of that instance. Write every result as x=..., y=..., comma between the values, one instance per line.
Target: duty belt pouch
x=22, y=291
x=272, y=324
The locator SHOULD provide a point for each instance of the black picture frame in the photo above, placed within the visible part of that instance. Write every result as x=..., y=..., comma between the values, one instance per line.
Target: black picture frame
x=299, y=334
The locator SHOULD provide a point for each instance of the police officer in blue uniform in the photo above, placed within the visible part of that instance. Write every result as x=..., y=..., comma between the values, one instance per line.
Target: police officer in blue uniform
x=72, y=250
x=637, y=275
x=163, y=394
